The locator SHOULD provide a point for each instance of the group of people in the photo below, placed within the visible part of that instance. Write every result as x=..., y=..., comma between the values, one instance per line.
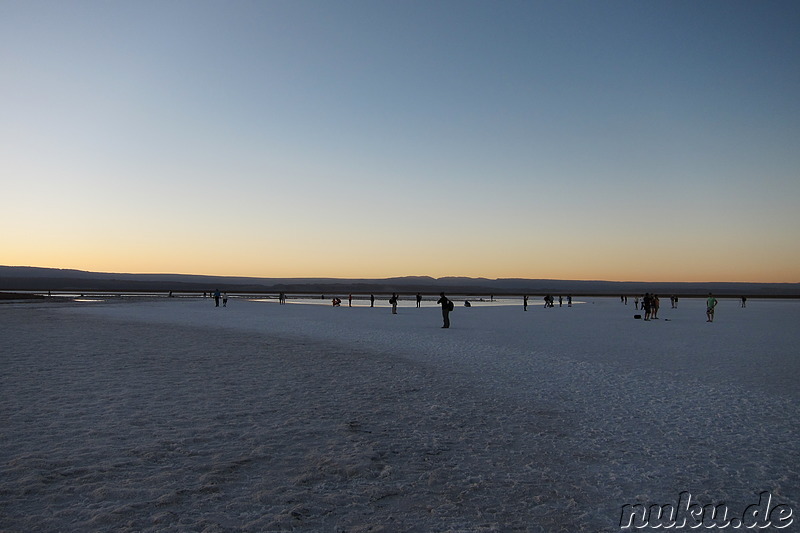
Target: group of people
x=444, y=301
x=395, y=298
x=651, y=304
x=673, y=300
x=447, y=305
x=549, y=301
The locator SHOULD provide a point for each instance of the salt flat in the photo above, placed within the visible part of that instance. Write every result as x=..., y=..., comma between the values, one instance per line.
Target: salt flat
x=173, y=414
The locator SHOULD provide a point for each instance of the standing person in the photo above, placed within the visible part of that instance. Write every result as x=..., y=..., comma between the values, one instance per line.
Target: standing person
x=569, y=300
x=560, y=300
x=447, y=306
x=636, y=301
x=224, y=299
x=350, y=300
x=419, y=300
x=744, y=301
x=372, y=300
x=646, y=303
x=655, y=303
x=216, y=298
x=393, y=301
x=525, y=302
x=711, y=303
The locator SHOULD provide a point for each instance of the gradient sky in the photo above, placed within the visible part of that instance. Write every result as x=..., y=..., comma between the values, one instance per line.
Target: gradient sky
x=618, y=140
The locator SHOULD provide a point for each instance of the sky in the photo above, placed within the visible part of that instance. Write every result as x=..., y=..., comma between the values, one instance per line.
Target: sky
x=615, y=140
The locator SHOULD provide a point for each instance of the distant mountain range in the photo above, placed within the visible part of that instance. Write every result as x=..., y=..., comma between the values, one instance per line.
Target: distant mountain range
x=14, y=278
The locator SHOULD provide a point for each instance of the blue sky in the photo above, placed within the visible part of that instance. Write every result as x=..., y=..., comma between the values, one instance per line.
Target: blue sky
x=588, y=140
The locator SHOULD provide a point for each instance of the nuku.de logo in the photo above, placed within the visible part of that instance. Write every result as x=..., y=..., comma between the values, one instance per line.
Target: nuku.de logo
x=693, y=515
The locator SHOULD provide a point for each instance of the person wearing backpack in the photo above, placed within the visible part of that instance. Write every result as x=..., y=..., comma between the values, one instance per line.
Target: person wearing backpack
x=447, y=306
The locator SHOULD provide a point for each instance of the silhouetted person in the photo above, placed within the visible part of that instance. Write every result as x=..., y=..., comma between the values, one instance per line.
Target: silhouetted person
x=372, y=300
x=525, y=302
x=447, y=306
x=216, y=298
x=224, y=299
x=744, y=301
x=419, y=300
x=711, y=304
x=393, y=301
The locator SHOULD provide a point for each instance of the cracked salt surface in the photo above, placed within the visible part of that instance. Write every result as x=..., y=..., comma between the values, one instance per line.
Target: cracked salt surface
x=153, y=415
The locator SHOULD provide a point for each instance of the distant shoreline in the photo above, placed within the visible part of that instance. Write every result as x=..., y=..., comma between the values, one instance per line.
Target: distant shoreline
x=475, y=297
x=21, y=296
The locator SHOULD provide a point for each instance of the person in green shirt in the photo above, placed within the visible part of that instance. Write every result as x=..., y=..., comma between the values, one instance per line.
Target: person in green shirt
x=711, y=303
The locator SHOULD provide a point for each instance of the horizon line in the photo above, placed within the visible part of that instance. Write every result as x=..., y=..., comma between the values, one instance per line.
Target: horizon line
x=408, y=276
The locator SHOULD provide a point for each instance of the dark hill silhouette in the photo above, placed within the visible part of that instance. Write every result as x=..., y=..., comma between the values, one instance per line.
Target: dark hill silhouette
x=13, y=278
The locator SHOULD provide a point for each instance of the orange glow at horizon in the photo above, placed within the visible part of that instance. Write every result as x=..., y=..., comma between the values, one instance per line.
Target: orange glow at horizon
x=224, y=262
